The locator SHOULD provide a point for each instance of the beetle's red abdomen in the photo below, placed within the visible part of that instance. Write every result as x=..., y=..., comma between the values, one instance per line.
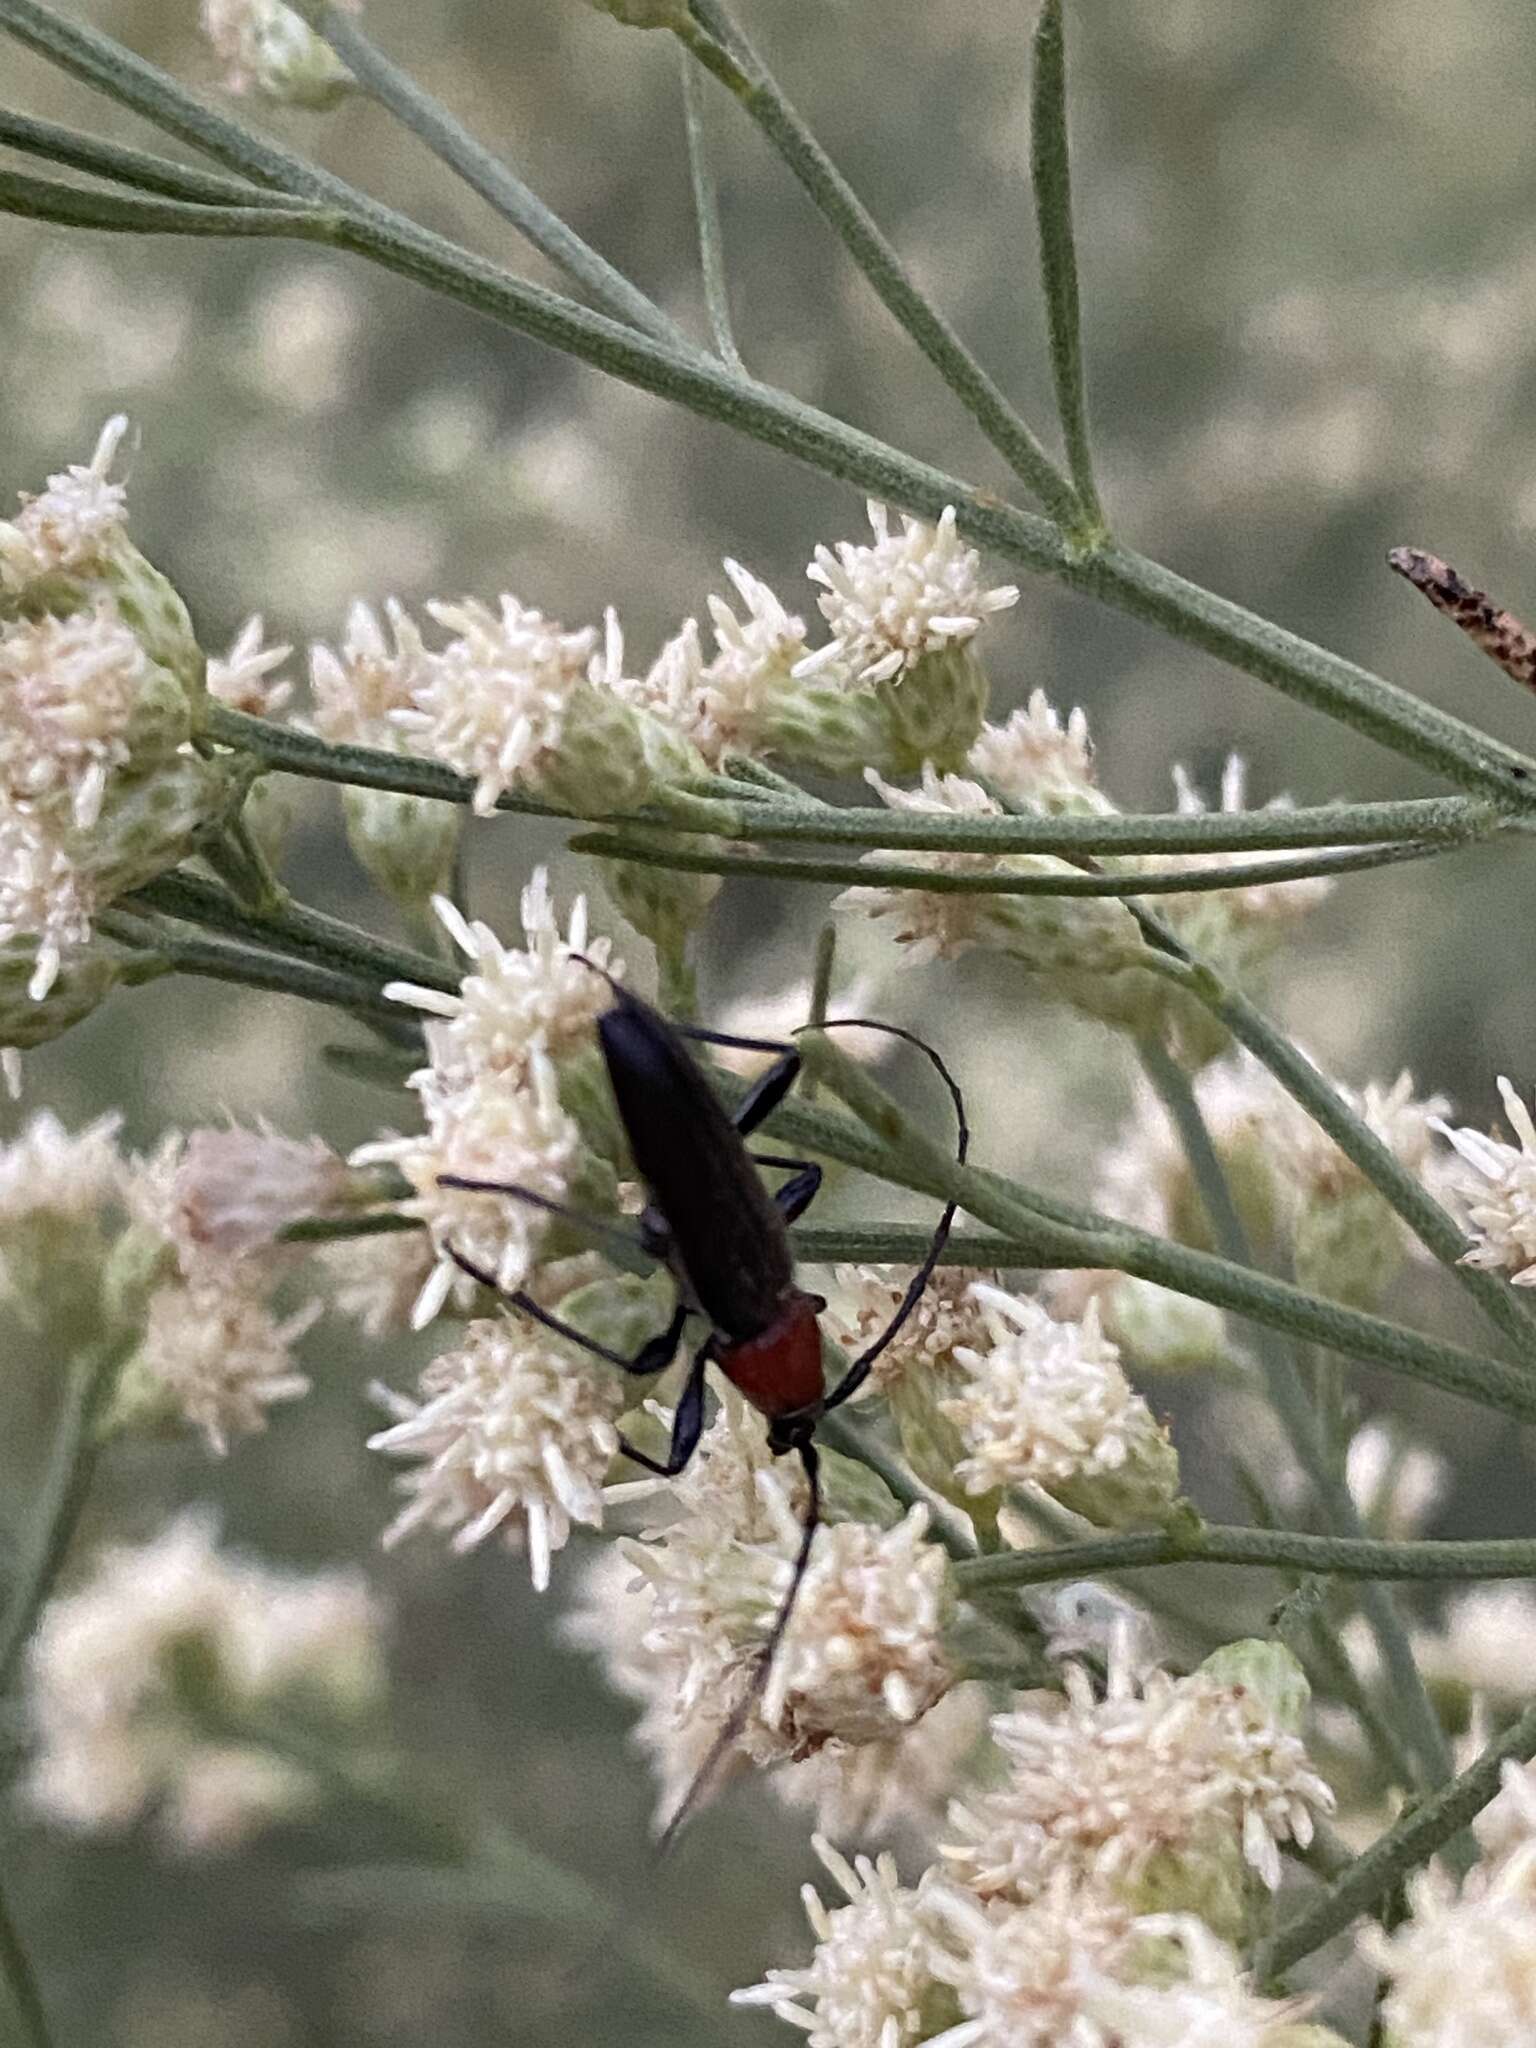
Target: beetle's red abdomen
x=780, y=1371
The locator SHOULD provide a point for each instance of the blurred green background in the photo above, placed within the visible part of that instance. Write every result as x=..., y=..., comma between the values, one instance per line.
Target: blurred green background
x=1310, y=295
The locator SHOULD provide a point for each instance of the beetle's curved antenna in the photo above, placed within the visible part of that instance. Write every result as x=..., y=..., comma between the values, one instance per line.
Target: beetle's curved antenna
x=860, y=1369
x=739, y=1715
x=847, y=1386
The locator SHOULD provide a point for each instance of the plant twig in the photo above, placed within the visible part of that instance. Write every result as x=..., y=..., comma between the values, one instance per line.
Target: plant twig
x=706, y=213
x=1051, y=175
x=1352, y=1557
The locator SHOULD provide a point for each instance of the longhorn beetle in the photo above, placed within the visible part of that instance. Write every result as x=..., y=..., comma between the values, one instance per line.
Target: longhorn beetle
x=725, y=1238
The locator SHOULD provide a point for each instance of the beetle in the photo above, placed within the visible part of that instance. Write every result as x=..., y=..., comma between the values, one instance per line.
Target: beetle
x=724, y=1235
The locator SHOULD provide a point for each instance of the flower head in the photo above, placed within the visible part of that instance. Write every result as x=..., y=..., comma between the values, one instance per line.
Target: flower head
x=516, y=999
x=45, y=894
x=1496, y=1185
x=948, y=1315
x=1159, y=1792
x=908, y=594
x=1046, y=1403
x=514, y=1431
x=69, y=692
x=267, y=47
x=1487, y=1643
x=1039, y=759
x=234, y=1190
x=489, y=1131
x=1258, y=903
x=871, y=1982
x=72, y=524
x=124, y=1672
x=493, y=703
x=1461, y=1970
x=244, y=680
x=358, y=687
x=57, y=1191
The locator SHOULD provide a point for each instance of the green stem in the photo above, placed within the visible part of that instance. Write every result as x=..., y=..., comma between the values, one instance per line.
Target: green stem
x=889, y=875
x=124, y=166
x=1050, y=169
x=722, y=49
x=20, y=1982
x=844, y=1434
x=1274, y=1549
x=1375, y=1874
x=706, y=213
x=1435, y=1228
x=451, y=143
x=1414, y=820
x=1288, y=1396
x=57, y=1511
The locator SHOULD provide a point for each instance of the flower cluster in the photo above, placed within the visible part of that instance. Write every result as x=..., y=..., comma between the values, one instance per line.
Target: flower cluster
x=268, y=48
x=1494, y=1184
x=160, y=1686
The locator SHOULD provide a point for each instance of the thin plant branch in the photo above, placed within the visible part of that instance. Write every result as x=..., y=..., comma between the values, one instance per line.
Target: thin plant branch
x=706, y=213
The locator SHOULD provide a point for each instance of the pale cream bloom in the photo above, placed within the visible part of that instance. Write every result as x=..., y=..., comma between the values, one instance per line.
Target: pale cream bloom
x=1495, y=1184
x=1462, y=1970
x=1040, y=759
x=377, y=1280
x=244, y=679
x=949, y=1314
x=1487, y=1642
x=493, y=703
x=44, y=893
x=899, y=1786
x=1259, y=901
x=357, y=688
x=1169, y=1767
x=233, y=1190
x=269, y=47
x=48, y=1169
x=115, y=1729
x=73, y=523
x=221, y=1357
x=69, y=690
x=1046, y=1403
x=514, y=1432
x=516, y=999
x=871, y=1982
x=908, y=594
x=1396, y=1485
x=486, y=1130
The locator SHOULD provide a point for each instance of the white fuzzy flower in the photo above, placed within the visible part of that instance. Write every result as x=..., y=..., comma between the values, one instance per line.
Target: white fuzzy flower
x=1040, y=760
x=73, y=523
x=269, y=47
x=357, y=688
x=514, y=1431
x=234, y=1189
x=516, y=999
x=243, y=679
x=900, y=1785
x=46, y=1170
x=909, y=594
x=1046, y=1403
x=1487, y=1642
x=1461, y=1971
x=948, y=1314
x=486, y=1130
x=69, y=689
x=377, y=1279
x=1496, y=1186
x=1172, y=1768
x=871, y=1982
x=493, y=703
x=1395, y=1485
x=863, y=1656
x=44, y=894
x=220, y=1357
x=115, y=1726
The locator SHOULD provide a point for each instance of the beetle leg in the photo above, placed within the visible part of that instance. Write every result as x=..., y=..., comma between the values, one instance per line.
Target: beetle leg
x=687, y=1425
x=654, y=1354
x=794, y=1196
x=766, y=1093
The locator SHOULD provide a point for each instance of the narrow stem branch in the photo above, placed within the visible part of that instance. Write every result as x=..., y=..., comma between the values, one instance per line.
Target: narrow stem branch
x=706, y=213
x=20, y=1982
x=722, y=49
x=124, y=166
x=496, y=183
x=1275, y=1549
x=1376, y=1873
x=1050, y=170
x=872, y=874
x=1288, y=1396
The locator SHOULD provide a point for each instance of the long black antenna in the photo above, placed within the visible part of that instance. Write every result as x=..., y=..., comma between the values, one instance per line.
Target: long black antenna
x=737, y=1719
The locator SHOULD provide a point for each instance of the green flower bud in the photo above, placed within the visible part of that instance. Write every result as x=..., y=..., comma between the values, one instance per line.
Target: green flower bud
x=602, y=762
x=1348, y=1246
x=87, y=977
x=934, y=710
x=152, y=608
x=1268, y=1672
x=406, y=843
x=665, y=905
x=151, y=821
x=825, y=726
x=1163, y=1331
